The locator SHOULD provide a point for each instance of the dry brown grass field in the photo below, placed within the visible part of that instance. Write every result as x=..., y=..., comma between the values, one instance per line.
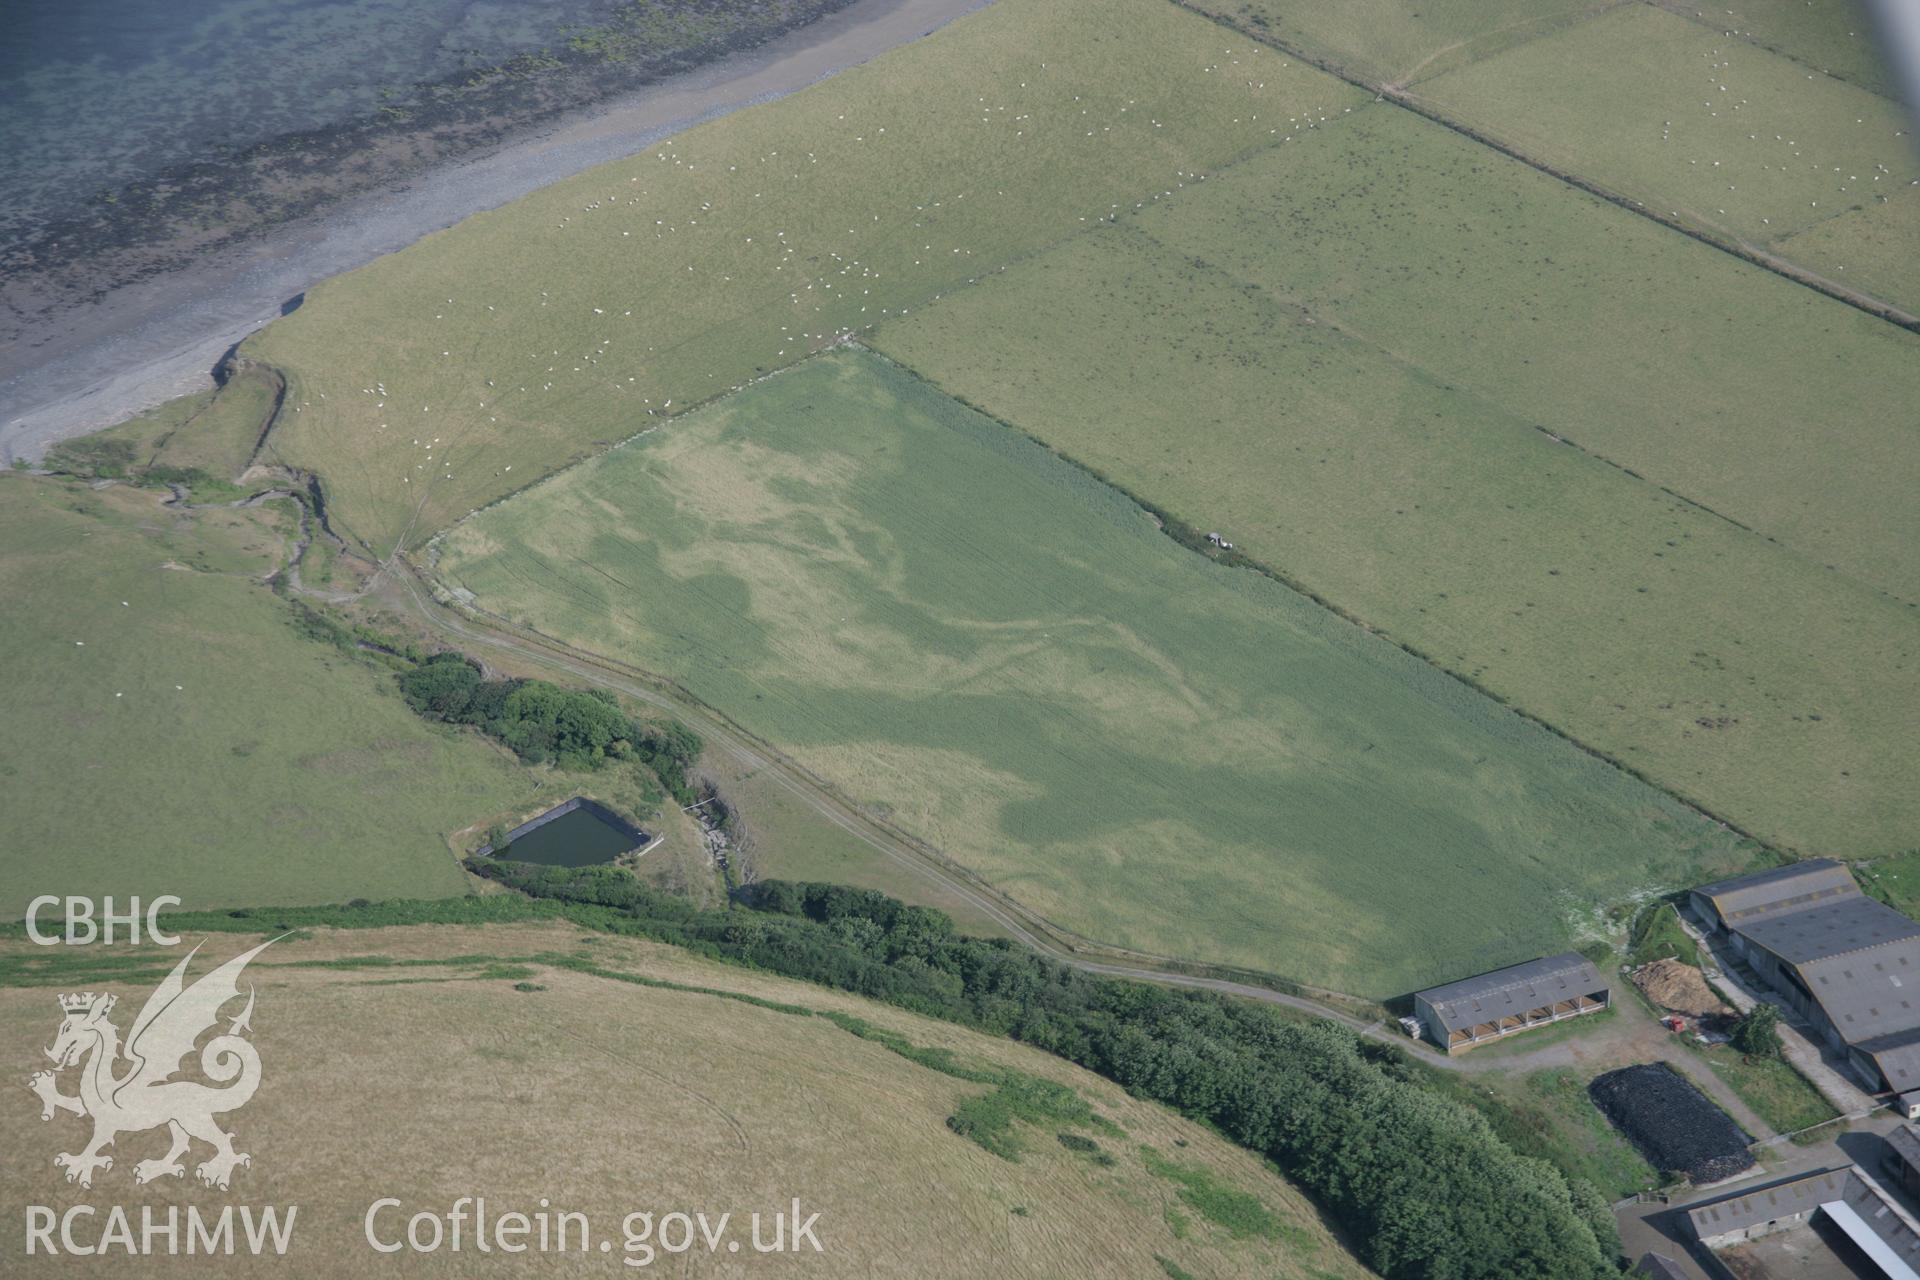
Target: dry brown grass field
x=418, y=1077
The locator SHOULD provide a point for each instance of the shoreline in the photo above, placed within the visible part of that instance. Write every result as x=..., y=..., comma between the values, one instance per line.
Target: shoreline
x=160, y=337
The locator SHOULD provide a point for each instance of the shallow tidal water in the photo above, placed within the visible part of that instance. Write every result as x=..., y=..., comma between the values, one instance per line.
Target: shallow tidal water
x=97, y=94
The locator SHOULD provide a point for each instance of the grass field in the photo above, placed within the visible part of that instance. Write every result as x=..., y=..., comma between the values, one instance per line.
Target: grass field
x=1549, y=1115
x=221, y=439
x=1718, y=134
x=1782, y=1096
x=975, y=640
x=394, y=1065
x=1832, y=37
x=1876, y=248
x=790, y=840
x=137, y=439
x=1398, y=40
x=168, y=731
x=207, y=432
x=1320, y=355
x=1895, y=880
x=1756, y=397
x=442, y=377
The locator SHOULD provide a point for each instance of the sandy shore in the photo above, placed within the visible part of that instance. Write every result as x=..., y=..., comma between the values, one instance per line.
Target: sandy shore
x=159, y=338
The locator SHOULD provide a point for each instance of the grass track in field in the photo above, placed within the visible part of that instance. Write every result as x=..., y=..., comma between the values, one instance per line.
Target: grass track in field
x=468, y=1086
x=1726, y=136
x=279, y=771
x=1006, y=657
x=525, y=338
x=1726, y=666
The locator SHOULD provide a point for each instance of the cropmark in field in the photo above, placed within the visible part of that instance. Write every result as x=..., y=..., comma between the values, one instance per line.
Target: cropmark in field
x=1341, y=353
x=1007, y=658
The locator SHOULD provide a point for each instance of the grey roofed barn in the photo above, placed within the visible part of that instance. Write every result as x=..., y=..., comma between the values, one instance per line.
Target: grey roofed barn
x=1837, y=928
x=1744, y=1210
x=1850, y=1198
x=1743, y=899
x=1897, y=1055
x=1490, y=1005
x=1847, y=963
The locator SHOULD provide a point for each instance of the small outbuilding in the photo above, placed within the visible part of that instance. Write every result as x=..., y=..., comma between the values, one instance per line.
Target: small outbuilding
x=1494, y=1005
x=1902, y=1160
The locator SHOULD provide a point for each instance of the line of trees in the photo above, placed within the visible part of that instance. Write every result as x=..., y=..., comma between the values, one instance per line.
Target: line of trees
x=1419, y=1181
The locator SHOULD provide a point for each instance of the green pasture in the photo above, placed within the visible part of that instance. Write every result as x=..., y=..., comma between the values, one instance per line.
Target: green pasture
x=134, y=443
x=1831, y=37
x=1875, y=249
x=1006, y=657
x=1397, y=41
x=442, y=377
x=1547, y=1114
x=1714, y=132
x=1727, y=667
x=168, y=731
x=220, y=438
x=1751, y=395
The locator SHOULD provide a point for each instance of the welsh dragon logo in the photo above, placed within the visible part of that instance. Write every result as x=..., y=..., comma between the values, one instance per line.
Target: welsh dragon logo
x=142, y=1096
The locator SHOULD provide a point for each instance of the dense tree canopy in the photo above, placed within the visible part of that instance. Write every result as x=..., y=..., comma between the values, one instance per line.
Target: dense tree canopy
x=1424, y=1187
x=541, y=721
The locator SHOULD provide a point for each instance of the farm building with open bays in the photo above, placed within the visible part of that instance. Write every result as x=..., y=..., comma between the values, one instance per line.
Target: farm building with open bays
x=1540, y=992
x=1879, y=1237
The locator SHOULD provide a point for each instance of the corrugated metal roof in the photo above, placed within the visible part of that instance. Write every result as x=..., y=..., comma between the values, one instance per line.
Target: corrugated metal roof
x=1868, y=1236
x=1513, y=991
x=1830, y=929
x=1897, y=1054
x=1745, y=1209
x=1869, y=994
x=1860, y=959
x=1763, y=893
x=1905, y=1142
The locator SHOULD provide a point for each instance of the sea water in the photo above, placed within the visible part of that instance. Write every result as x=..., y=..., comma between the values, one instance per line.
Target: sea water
x=98, y=94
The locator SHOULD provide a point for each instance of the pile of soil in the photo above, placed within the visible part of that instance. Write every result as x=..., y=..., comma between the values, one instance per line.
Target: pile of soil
x=1679, y=988
x=1672, y=1123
